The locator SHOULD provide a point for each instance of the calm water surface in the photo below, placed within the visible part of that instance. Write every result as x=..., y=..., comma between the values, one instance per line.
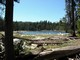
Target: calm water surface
x=40, y=32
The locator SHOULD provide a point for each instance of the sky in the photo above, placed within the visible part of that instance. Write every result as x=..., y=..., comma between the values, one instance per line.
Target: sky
x=39, y=10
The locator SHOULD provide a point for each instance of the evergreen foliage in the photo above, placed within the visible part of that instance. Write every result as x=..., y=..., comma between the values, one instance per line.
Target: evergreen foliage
x=42, y=25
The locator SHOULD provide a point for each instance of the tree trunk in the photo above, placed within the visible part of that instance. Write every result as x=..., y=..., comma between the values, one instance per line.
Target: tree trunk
x=9, y=49
x=72, y=17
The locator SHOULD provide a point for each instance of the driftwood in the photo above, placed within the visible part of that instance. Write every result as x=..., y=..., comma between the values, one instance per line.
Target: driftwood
x=58, y=53
x=46, y=42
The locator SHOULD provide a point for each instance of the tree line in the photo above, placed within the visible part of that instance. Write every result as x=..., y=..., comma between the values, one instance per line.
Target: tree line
x=37, y=26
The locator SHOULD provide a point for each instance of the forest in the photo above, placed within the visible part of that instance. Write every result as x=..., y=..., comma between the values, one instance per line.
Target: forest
x=42, y=25
x=37, y=26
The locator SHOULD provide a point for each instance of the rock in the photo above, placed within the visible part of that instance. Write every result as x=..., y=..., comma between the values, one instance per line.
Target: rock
x=16, y=41
x=33, y=46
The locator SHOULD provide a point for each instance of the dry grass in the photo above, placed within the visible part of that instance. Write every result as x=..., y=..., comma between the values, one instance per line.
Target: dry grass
x=75, y=42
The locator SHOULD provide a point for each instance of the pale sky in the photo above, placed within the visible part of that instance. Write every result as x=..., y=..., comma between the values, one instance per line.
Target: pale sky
x=39, y=10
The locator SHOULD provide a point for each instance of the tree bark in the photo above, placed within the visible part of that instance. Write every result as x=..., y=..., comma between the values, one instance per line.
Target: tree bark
x=72, y=17
x=8, y=42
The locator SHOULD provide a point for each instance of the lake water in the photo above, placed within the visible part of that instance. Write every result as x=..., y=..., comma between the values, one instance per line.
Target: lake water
x=40, y=32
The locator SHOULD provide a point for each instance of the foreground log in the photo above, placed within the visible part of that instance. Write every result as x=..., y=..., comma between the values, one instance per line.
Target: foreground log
x=58, y=53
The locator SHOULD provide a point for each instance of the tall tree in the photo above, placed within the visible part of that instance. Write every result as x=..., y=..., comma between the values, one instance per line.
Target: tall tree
x=70, y=9
x=72, y=17
x=68, y=14
x=8, y=43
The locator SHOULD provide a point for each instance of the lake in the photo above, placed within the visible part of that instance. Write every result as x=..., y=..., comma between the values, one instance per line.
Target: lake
x=40, y=32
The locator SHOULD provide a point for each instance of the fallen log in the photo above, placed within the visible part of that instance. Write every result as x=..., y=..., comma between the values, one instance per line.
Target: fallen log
x=58, y=53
